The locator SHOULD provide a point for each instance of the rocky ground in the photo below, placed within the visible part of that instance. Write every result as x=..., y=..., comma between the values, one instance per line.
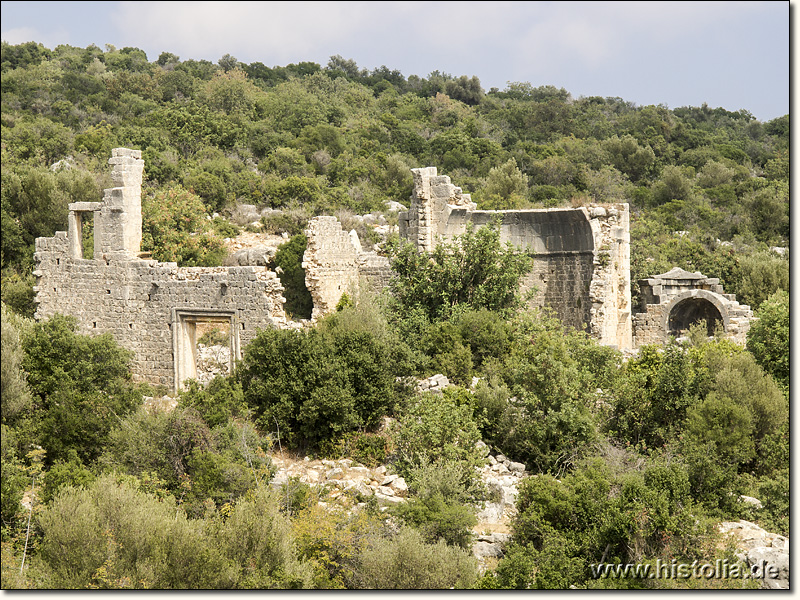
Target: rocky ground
x=345, y=479
x=344, y=482
x=758, y=547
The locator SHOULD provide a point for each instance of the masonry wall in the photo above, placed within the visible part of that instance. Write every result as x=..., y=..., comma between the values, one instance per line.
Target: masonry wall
x=335, y=264
x=133, y=300
x=581, y=256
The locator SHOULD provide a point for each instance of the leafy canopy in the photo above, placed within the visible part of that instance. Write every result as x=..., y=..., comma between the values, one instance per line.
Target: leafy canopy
x=474, y=270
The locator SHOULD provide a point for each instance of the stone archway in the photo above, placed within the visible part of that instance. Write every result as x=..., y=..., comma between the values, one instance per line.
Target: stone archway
x=690, y=311
x=694, y=306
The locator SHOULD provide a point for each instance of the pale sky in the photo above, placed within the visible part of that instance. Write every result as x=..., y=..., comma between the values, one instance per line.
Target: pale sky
x=733, y=55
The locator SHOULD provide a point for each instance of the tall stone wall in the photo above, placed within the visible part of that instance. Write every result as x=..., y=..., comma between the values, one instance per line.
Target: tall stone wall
x=146, y=305
x=581, y=256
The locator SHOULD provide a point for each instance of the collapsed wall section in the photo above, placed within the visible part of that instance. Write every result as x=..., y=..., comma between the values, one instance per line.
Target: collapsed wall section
x=336, y=264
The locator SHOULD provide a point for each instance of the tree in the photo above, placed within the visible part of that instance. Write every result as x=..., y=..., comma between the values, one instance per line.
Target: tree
x=768, y=338
x=505, y=182
x=314, y=386
x=175, y=229
x=82, y=386
x=474, y=270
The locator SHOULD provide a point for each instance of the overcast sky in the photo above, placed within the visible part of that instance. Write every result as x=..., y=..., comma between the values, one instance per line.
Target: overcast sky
x=729, y=54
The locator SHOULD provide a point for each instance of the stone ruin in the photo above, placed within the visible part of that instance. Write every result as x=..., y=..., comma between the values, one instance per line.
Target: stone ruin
x=581, y=256
x=152, y=308
x=581, y=269
x=673, y=301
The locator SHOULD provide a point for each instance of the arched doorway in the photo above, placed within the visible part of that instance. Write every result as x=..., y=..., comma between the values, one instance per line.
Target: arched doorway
x=690, y=311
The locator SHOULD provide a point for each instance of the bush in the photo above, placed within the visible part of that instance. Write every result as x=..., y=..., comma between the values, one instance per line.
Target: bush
x=405, y=561
x=436, y=427
x=258, y=539
x=14, y=393
x=83, y=387
x=175, y=229
x=442, y=504
x=474, y=269
x=193, y=461
x=548, y=424
x=593, y=515
x=316, y=385
x=768, y=338
x=217, y=402
x=65, y=473
x=113, y=536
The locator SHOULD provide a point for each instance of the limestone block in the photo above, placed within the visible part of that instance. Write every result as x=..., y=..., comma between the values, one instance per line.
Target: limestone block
x=486, y=550
x=399, y=486
x=516, y=467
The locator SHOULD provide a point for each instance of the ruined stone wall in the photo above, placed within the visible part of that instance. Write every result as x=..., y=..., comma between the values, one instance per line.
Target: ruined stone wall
x=335, y=264
x=331, y=264
x=134, y=301
x=581, y=256
x=144, y=303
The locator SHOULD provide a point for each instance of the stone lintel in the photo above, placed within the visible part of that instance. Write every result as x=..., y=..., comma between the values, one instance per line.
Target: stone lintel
x=84, y=206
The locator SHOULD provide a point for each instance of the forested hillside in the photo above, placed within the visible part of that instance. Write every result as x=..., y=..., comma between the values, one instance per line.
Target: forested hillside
x=636, y=458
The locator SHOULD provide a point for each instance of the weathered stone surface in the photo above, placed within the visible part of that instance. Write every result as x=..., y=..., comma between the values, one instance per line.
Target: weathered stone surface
x=336, y=264
x=486, y=550
x=750, y=500
x=259, y=256
x=758, y=547
x=435, y=383
x=516, y=467
x=399, y=486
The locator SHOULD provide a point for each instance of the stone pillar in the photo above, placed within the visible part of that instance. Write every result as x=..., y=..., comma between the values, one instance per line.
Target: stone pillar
x=74, y=234
x=121, y=213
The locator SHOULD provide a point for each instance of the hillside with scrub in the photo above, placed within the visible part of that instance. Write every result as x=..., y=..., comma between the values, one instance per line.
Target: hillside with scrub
x=276, y=475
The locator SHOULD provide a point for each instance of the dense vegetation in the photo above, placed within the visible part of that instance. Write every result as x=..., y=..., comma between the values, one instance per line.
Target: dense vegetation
x=637, y=457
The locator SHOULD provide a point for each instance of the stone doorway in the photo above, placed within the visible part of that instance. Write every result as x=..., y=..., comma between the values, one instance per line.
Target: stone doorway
x=205, y=344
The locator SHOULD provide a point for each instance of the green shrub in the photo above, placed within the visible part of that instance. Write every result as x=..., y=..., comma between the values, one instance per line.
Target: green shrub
x=768, y=338
x=112, y=536
x=435, y=427
x=175, y=229
x=474, y=269
x=15, y=396
x=65, y=473
x=220, y=400
x=316, y=385
x=405, y=561
x=83, y=387
x=369, y=449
